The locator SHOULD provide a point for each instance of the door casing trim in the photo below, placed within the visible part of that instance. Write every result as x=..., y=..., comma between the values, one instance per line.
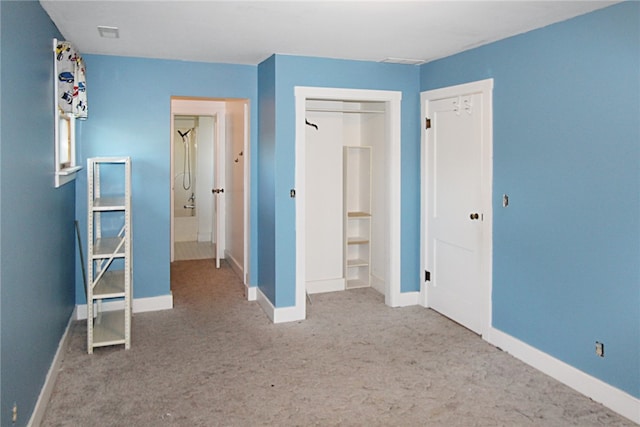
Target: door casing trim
x=393, y=112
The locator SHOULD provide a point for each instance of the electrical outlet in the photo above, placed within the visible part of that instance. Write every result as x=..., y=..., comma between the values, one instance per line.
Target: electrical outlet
x=14, y=413
x=599, y=349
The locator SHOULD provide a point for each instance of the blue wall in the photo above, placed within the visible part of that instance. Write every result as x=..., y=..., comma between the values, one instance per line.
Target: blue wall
x=266, y=178
x=566, y=150
x=566, y=256
x=130, y=115
x=37, y=231
x=286, y=72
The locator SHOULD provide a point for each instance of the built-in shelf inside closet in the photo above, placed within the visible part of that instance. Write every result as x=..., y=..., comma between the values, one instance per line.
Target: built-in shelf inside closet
x=357, y=216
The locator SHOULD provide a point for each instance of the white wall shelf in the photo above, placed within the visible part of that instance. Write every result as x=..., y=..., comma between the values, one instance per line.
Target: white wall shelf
x=108, y=280
x=355, y=107
x=336, y=110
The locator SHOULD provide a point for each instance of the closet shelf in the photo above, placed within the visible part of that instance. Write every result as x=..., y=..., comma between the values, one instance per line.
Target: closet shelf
x=358, y=215
x=357, y=262
x=357, y=181
x=357, y=240
x=356, y=283
x=342, y=110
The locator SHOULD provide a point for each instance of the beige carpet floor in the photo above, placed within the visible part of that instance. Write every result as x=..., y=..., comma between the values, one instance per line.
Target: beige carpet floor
x=216, y=360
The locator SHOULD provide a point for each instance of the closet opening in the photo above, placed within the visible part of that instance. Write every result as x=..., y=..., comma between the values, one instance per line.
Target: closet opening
x=348, y=191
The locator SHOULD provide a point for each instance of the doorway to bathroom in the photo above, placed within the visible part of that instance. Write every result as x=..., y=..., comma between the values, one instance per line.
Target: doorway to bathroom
x=193, y=162
x=210, y=182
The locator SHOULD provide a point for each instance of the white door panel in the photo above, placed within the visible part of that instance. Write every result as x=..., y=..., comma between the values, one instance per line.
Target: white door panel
x=220, y=160
x=454, y=197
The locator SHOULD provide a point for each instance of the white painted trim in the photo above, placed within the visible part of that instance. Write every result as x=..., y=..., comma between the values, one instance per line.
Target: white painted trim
x=235, y=265
x=288, y=314
x=279, y=315
x=301, y=215
x=393, y=99
x=407, y=299
x=50, y=379
x=594, y=388
x=163, y=302
x=329, y=285
x=423, y=201
x=197, y=107
x=378, y=284
x=140, y=305
x=484, y=87
x=247, y=194
x=251, y=292
x=265, y=304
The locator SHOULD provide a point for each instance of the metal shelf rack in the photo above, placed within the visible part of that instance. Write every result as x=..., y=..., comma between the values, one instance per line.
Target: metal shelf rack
x=109, y=261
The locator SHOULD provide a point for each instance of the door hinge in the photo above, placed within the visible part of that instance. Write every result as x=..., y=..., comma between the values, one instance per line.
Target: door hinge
x=427, y=276
x=427, y=123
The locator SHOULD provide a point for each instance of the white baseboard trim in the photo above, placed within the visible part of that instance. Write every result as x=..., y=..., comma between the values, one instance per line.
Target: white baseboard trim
x=279, y=315
x=140, y=305
x=235, y=265
x=611, y=397
x=378, y=284
x=162, y=302
x=265, y=304
x=50, y=380
x=251, y=292
x=422, y=299
x=329, y=285
x=404, y=299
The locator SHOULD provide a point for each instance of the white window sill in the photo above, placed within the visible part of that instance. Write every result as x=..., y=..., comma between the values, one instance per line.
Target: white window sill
x=66, y=175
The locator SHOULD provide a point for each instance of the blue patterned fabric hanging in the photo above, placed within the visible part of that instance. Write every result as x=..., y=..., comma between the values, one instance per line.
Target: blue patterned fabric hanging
x=71, y=80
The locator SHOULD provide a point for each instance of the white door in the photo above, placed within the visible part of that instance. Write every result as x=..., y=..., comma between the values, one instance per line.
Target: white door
x=219, y=199
x=456, y=212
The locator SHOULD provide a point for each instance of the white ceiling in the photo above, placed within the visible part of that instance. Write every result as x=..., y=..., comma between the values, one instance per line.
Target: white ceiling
x=247, y=32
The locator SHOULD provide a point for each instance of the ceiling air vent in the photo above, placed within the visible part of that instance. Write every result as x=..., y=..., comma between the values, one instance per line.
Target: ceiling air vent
x=403, y=61
x=108, y=32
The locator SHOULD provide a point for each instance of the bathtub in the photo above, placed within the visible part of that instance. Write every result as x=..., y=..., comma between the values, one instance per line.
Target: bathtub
x=185, y=228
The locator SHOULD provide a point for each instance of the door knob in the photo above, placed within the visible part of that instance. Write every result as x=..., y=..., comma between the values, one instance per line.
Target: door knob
x=474, y=216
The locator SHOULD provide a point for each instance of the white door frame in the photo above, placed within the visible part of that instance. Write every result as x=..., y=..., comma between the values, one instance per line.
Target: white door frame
x=393, y=100
x=484, y=87
x=247, y=194
x=197, y=107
